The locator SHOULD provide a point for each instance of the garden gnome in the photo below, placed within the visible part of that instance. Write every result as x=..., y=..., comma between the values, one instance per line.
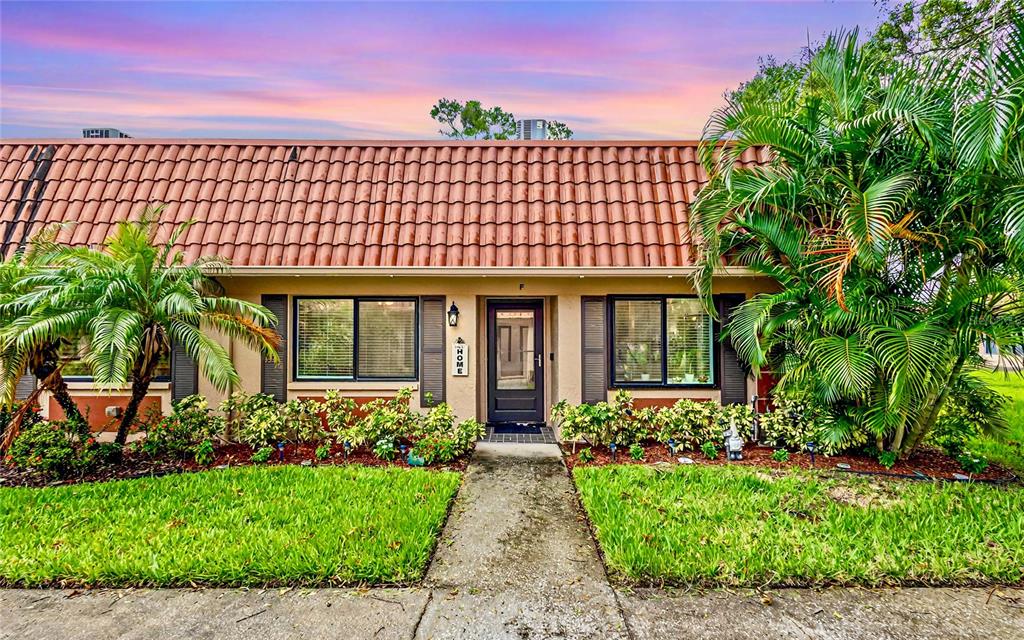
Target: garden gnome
x=733, y=442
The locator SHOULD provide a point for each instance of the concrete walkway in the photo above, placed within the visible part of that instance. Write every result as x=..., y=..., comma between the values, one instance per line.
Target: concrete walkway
x=515, y=561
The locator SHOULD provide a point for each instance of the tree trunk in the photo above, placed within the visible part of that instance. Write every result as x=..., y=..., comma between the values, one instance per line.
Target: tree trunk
x=47, y=371
x=140, y=387
x=928, y=421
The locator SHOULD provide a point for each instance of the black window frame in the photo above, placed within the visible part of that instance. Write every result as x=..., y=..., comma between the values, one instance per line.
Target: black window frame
x=161, y=378
x=715, y=374
x=294, y=342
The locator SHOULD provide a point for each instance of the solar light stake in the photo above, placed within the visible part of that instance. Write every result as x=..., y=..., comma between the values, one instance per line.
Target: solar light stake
x=672, y=446
x=757, y=418
x=810, y=449
x=280, y=451
x=348, y=447
x=612, y=447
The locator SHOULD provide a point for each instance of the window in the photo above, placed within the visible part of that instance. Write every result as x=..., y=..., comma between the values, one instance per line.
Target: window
x=75, y=367
x=353, y=338
x=661, y=341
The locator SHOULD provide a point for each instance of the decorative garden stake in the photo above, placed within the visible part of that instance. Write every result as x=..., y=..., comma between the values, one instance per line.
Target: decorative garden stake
x=612, y=446
x=757, y=419
x=810, y=449
x=280, y=451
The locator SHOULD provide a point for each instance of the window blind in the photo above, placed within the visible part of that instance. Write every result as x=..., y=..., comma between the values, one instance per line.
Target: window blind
x=637, y=340
x=387, y=338
x=325, y=338
x=689, y=342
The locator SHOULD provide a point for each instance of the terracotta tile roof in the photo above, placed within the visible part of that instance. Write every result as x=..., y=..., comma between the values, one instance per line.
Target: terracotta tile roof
x=369, y=203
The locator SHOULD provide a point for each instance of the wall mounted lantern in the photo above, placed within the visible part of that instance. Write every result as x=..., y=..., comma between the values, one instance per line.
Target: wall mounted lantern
x=453, y=316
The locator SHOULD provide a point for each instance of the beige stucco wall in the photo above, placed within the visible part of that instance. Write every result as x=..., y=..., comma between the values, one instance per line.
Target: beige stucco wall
x=467, y=395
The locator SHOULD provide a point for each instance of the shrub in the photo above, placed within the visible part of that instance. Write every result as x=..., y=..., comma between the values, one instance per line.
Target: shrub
x=178, y=434
x=687, y=422
x=7, y=414
x=603, y=423
x=636, y=452
x=586, y=455
x=339, y=413
x=386, y=448
x=780, y=455
x=56, y=449
x=303, y=422
x=262, y=454
x=444, y=440
x=204, y=452
x=323, y=452
x=385, y=418
x=971, y=409
x=887, y=459
x=971, y=462
x=796, y=420
x=264, y=426
x=710, y=450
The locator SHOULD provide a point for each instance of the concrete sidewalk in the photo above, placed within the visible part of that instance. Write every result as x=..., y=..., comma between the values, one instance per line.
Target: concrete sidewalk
x=515, y=561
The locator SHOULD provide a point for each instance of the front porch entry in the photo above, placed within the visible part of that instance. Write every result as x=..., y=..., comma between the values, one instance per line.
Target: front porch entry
x=515, y=366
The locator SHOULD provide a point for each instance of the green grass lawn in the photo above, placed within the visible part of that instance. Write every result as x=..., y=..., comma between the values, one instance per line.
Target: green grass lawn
x=244, y=526
x=738, y=526
x=1007, y=449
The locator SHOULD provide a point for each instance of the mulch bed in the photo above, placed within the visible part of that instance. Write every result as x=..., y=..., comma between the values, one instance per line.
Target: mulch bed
x=138, y=465
x=930, y=461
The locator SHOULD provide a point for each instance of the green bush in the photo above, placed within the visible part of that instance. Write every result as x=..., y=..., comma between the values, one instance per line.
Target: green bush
x=887, y=459
x=262, y=454
x=386, y=448
x=204, y=454
x=586, y=455
x=259, y=420
x=384, y=418
x=687, y=422
x=603, y=423
x=57, y=449
x=971, y=462
x=443, y=439
x=780, y=455
x=636, y=452
x=709, y=449
x=177, y=435
x=972, y=408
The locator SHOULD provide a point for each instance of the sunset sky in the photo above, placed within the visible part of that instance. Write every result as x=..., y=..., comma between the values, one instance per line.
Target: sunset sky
x=372, y=70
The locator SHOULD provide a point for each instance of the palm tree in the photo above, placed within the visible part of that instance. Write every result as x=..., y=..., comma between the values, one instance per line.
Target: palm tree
x=141, y=297
x=38, y=354
x=890, y=216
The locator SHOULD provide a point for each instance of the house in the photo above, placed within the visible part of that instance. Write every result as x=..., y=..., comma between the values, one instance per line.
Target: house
x=500, y=277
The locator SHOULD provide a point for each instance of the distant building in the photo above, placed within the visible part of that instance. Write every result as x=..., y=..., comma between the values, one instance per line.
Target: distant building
x=532, y=129
x=104, y=133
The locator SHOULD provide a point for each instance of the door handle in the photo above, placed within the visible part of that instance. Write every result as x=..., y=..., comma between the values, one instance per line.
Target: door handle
x=539, y=359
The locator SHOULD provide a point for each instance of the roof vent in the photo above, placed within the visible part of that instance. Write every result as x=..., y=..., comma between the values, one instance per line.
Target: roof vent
x=294, y=155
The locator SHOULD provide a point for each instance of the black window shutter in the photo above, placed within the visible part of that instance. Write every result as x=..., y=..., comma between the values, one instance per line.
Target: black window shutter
x=26, y=385
x=595, y=365
x=184, y=374
x=274, y=377
x=432, y=350
x=734, y=373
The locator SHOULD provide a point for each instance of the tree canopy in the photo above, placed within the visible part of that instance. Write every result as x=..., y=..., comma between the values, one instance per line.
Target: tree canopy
x=471, y=121
x=891, y=218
